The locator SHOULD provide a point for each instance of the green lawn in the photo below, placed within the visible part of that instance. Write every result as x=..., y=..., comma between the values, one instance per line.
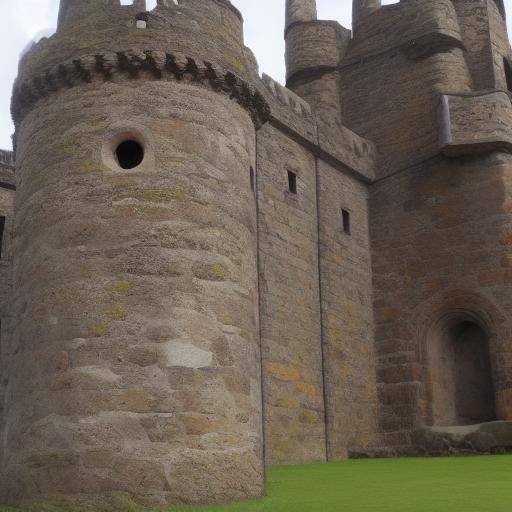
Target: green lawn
x=458, y=484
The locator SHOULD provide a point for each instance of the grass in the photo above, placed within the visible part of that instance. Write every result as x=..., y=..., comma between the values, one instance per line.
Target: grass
x=456, y=484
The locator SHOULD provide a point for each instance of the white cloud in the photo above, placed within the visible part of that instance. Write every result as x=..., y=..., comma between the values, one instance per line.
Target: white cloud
x=22, y=21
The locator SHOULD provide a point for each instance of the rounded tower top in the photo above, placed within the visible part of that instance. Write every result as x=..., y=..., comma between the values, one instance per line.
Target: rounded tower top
x=299, y=11
x=210, y=30
x=200, y=39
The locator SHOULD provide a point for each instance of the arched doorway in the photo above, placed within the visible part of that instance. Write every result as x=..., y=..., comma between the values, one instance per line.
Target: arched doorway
x=461, y=383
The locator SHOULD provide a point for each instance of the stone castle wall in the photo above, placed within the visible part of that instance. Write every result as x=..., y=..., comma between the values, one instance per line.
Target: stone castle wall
x=7, y=191
x=437, y=222
x=183, y=323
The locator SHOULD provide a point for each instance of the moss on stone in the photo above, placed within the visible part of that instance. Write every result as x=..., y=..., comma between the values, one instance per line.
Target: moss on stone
x=84, y=270
x=88, y=166
x=307, y=389
x=236, y=62
x=283, y=372
x=218, y=33
x=66, y=149
x=309, y=417
x=119, y=287
x=125, y=502
x=219, y=272
x=116, y=313
x=100, y=329
x=290, y=402
x=215, y=272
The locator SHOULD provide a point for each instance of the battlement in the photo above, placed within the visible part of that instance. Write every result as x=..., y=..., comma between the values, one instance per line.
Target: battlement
x=71, y=10
x=108, y=26
x=286, y=97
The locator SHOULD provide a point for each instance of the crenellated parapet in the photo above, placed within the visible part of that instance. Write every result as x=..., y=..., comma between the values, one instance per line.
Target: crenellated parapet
x=286, y=97
x=203, y=30
x=71, y=10
x=327, y=138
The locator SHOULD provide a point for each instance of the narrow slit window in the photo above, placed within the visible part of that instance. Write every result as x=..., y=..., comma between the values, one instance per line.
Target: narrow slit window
x=292, y=182
x=2, y=229
x=508, y=73
x=345, y=219
x=253, y=186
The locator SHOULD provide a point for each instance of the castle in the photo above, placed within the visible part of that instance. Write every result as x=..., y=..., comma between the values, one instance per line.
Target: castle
x=204, y=271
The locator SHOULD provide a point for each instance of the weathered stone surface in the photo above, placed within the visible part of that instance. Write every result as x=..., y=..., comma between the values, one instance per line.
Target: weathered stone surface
x=288, y=274
x=486, y=438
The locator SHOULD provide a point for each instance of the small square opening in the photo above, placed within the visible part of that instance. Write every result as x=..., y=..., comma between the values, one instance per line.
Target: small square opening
x=345, y=219
x=2, y=229
x=292, y=182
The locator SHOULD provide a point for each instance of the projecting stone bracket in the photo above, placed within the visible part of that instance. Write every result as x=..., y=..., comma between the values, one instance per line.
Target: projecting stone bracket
x=475, y=123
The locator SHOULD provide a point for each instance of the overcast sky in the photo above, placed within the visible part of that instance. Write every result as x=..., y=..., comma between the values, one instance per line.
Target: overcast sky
x=22, y=21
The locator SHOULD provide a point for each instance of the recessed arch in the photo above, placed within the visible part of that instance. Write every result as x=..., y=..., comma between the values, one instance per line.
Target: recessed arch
x=460, y=384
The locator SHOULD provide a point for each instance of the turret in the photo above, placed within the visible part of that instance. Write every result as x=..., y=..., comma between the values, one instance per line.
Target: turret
x=77, y=10
x=299, y=11
x=133, y=370
x=314, y=49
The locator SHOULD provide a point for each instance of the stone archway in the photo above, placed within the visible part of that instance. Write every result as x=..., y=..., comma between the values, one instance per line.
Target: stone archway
x=461, y=388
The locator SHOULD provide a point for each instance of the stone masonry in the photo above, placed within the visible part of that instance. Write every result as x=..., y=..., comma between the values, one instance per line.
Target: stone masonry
x=203, y=271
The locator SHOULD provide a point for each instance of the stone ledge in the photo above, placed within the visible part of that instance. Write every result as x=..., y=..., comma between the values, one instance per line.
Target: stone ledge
x=473, y=123
x=134, y=64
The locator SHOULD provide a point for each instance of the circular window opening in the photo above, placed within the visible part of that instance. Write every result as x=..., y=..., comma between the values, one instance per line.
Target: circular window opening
x=129, y=154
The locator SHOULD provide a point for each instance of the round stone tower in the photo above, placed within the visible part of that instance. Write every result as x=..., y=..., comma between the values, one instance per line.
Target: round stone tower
x=134, y=368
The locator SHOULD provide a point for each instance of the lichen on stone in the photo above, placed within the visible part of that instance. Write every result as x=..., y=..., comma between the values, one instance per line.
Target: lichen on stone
x=100, y=329
x=118, y=287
